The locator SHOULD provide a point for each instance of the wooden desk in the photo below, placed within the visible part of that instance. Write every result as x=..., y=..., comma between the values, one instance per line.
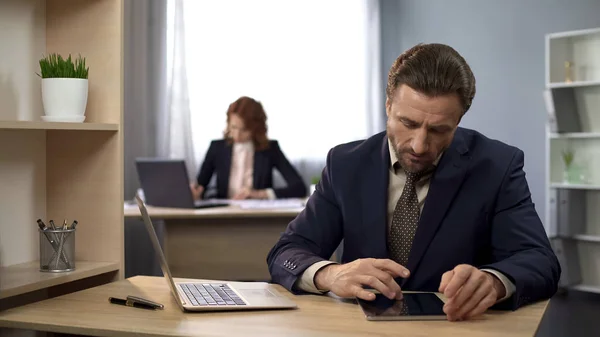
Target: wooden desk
x=227, y=243
x=89, y=313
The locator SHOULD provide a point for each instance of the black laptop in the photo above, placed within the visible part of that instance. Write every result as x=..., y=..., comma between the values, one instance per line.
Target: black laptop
x=165, y=184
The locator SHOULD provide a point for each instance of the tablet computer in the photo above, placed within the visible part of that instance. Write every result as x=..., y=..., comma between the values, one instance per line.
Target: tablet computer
x=413, y=307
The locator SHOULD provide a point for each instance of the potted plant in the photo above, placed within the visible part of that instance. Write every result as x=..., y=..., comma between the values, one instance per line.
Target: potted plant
x=64, y=88
x=313, y=183
x=569, y=175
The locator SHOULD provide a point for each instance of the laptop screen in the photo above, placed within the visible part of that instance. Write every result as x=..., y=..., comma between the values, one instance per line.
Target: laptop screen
x=165, y=182
x=157, y=248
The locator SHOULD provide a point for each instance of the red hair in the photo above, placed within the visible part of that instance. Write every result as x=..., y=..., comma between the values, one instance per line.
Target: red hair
x=254, y=117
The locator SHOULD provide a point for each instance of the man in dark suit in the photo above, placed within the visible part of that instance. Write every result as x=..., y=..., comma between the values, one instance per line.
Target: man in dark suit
x=424, y=206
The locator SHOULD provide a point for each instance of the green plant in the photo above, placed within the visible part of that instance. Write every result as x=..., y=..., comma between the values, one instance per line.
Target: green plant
x=568, y=157
x=315, y=180
x=54, y=66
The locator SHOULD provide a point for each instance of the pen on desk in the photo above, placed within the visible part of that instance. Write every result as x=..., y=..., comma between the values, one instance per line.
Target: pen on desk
x=145, y=301
x=131, y=303
x=64, y=226
x=74, y=224
x=51, y=222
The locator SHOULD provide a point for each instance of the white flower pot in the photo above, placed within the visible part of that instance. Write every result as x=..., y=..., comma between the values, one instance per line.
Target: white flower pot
x=64, y=97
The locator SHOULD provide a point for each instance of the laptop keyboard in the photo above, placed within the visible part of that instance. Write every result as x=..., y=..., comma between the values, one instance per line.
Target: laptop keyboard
x=208, y=294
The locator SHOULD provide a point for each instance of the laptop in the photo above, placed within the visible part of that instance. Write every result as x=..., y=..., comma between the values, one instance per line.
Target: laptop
x=165, y=184
x=215, y=296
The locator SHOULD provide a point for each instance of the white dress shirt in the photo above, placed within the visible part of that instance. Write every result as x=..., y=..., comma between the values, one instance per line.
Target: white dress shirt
x=241, y=175
x=397, y=180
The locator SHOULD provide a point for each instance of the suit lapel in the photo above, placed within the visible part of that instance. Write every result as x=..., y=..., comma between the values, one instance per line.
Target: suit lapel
x=258, y=168
x=444, y=184
x=374, y=201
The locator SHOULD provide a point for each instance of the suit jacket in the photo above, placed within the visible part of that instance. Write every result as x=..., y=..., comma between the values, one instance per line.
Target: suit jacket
x=218, y=159
x=478, y=211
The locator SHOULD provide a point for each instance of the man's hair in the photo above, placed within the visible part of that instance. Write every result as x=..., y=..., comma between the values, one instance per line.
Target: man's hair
x=433, y=70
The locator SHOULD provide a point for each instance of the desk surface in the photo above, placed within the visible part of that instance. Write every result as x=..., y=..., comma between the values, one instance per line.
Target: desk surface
x=89, y=313
x=131, y=211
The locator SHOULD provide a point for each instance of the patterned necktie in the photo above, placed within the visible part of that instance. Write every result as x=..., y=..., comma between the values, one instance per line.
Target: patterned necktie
x=404, y=221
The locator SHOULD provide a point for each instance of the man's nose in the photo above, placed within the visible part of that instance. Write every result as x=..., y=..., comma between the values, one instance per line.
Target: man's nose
x=419, y=143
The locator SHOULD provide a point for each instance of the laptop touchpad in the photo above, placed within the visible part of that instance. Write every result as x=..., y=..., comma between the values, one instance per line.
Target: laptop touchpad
x=262, y=293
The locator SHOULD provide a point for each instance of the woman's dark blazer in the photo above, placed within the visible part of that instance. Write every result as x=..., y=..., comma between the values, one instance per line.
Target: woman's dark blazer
x=218, y=160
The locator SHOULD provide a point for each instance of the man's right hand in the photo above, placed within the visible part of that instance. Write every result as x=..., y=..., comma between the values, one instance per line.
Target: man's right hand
x=196, y=191
x=347, y=280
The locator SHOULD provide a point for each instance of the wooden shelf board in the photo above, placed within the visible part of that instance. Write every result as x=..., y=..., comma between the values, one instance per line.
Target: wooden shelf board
x=586, y=288
x=575, y=186
x=40, y=125
x=26, y=277
x=576, y=84
x=568, y=135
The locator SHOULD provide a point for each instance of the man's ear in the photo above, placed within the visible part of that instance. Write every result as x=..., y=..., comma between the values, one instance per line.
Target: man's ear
x=387, y=106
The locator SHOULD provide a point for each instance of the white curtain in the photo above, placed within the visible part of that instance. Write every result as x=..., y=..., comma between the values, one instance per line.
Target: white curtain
x=314, y=65
x=175, y=129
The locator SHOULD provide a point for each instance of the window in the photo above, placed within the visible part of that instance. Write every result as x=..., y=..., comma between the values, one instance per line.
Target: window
x=305, y=61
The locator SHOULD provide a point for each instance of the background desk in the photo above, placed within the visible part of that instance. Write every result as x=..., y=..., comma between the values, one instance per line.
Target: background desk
x=89, y=313
x=228, y=243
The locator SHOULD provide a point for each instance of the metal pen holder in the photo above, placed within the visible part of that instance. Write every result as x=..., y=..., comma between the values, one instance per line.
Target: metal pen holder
x=57, y=250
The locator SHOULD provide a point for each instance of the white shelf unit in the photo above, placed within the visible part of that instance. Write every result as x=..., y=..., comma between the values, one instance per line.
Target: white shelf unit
x=581, y=48
x=572, y=98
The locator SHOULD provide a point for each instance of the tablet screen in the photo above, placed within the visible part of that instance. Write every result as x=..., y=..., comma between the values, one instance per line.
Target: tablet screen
x=412, y=306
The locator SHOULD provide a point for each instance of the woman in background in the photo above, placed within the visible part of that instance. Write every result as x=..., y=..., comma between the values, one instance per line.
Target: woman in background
x=244, y=160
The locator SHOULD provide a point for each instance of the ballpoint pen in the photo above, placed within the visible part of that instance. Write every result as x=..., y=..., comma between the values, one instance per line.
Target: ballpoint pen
x=44, y=228
x=135, y=303
x=61, y=244
x=145, y=301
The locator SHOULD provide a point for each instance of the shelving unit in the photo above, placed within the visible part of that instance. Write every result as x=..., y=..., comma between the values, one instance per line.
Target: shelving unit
x=59, y=171
x=572, y=99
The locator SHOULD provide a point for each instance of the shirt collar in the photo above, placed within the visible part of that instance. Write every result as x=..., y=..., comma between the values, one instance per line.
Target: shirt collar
x=243, y=146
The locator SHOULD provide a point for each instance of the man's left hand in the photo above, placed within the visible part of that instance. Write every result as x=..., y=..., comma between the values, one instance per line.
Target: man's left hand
x=469, y=292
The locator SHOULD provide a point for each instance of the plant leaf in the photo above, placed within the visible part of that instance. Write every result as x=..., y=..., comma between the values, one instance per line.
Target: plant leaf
x=55, y=66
